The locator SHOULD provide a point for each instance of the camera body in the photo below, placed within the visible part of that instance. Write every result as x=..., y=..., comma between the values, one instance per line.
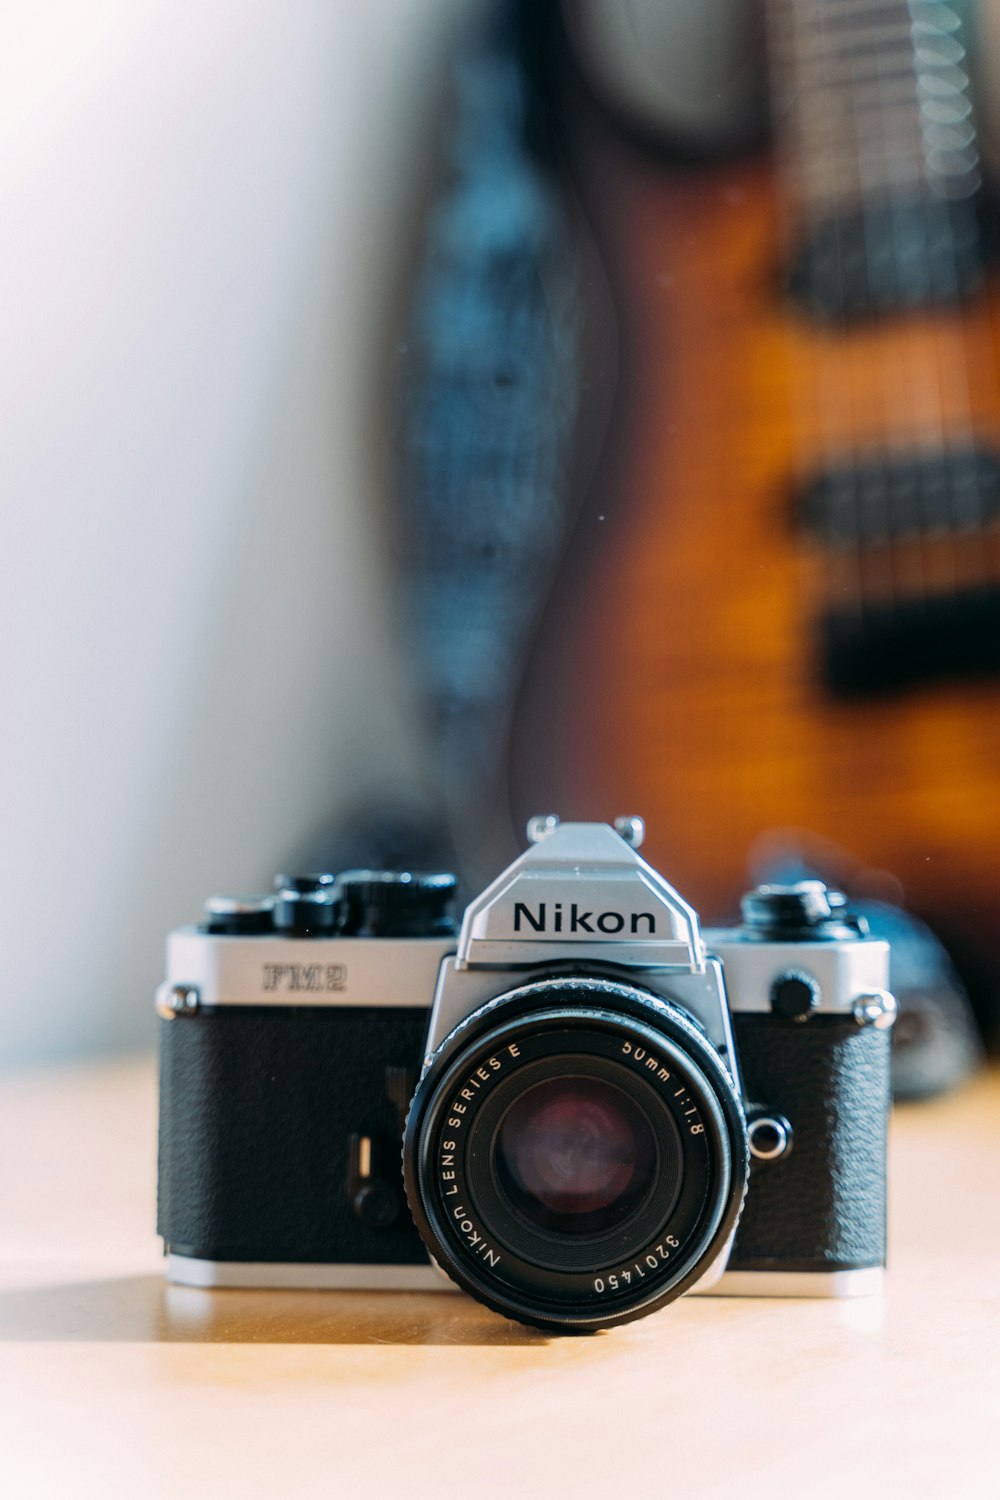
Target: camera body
x=589, y=1087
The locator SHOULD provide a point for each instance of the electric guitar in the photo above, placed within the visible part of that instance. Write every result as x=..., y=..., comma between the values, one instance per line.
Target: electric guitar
x=779, y=624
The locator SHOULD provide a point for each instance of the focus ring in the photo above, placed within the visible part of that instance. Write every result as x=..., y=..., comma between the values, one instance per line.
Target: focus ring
x=592, y=1012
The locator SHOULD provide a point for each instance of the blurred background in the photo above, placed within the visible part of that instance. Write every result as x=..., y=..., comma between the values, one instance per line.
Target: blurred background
x=423, y=414
x=205, y=209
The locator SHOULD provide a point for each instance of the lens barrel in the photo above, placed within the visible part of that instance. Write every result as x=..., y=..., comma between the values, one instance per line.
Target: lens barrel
x=576, y=1154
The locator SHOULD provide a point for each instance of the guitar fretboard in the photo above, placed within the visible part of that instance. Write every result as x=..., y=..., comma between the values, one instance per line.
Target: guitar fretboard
x=877, y=143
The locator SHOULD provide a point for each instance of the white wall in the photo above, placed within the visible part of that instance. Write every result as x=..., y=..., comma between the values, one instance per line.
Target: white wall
x=201, y=204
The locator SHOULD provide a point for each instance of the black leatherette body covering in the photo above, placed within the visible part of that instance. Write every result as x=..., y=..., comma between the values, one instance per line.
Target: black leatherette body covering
x=257, y=1106
x=823, y=1205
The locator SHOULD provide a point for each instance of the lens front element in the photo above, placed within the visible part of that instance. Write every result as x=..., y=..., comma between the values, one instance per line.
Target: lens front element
x=575, y=1154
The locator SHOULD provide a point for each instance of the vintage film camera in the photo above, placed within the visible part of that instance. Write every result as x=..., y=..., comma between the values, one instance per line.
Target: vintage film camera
x=600, y=1107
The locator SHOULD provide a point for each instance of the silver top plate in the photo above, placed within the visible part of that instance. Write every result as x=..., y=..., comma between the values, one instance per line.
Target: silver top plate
x=277, y=970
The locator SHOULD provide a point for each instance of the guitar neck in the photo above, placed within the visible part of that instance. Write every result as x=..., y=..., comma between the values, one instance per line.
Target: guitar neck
x=871, y=100
x=877, y=146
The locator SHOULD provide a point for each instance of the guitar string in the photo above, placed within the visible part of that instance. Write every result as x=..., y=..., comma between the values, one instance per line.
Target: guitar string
x=965, y=540
x=987, y=365
x=954, y=354
x=812, y=176
x=956, y=351
x=833, y=390
x=923, y=376
x=907, y=376
x=846, y=372
x=871, y=158
x=981, y=539
x=915, y=377
x=989, y=327
x=936, y=342
x=780, y=37
x=949, y=363
x=989, y=330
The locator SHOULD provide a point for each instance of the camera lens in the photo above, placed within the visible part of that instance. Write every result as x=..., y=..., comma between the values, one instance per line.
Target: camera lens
x=576, y=1154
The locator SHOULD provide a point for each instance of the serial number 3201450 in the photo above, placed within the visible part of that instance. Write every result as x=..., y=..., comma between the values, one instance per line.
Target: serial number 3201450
x=640, y=1268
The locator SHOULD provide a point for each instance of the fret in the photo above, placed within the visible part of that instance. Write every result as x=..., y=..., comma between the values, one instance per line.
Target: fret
x=834, y=16
x=835, y=189
x=794, y=22
x=867, y=71
x=880, y=176
x=818, y=44
x=830, y=123
x=897, y=51
x=929, y=38
x=836, y=13
x=864, y=73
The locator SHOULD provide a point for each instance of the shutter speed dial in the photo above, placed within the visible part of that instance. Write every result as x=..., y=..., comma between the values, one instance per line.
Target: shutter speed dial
x=396, y=903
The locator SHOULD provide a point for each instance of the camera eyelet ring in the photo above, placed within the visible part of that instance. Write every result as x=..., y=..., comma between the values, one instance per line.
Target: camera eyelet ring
x=769, y=1136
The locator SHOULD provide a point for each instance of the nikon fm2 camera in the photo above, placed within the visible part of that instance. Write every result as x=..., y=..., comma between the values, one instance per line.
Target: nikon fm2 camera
x=600, y=1106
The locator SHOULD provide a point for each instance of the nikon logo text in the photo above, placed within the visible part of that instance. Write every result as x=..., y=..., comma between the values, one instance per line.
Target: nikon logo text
x=311, y=978
x=573, y=919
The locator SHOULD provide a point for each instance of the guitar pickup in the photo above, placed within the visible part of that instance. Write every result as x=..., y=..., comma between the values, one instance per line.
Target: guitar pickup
x=903, y=496
x=902, y=644
x=890, y=257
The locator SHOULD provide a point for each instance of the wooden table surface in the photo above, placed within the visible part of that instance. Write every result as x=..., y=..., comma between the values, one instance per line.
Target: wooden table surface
x=112, y=1383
